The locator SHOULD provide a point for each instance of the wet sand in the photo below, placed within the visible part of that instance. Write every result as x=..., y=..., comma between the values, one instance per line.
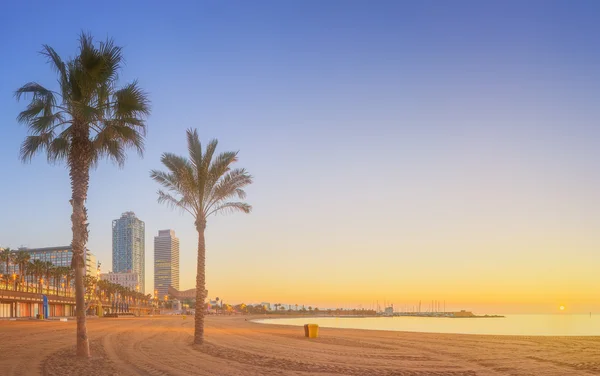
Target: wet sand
x=234, y=346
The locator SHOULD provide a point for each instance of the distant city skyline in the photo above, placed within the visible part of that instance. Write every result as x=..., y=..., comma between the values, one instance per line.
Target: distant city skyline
x=129, y=247
x=166, y=262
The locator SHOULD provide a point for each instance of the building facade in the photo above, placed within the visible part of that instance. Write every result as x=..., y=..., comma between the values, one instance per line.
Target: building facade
x=61, y=256
x=127, y=280
x=129, y=249
x=166, y=262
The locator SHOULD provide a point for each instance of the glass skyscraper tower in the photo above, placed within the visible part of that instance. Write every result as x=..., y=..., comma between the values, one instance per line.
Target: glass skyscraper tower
x=166, y=262
x=129, y=246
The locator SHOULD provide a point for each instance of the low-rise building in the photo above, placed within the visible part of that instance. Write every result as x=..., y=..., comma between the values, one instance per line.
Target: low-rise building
x=126, y=279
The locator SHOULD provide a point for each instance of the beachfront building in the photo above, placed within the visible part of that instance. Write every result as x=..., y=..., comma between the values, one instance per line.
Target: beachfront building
x=61, y=256
x=23, y=303
x=127, y=280
x=129, y=247
x=166, y=262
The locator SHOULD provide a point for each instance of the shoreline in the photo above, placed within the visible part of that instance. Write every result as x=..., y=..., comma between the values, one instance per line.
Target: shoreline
x=257, y=320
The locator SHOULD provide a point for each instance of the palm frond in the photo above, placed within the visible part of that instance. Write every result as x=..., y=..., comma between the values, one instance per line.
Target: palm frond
x=113, y=139
x=34, y=144
x=131, y=102
x=231, y=184
x=165, y=198
x=176, y=164
x=113, y=58
x=58, y=65
x=219, y=167
x=194, y=148
x=37, y=91
x=208, y=155
x=108, y=147
x=169, y=181
x=33, y=109
x=58, y=149
x=231, y=207
x=46, y=123
x=181, y=178
x=89, y=63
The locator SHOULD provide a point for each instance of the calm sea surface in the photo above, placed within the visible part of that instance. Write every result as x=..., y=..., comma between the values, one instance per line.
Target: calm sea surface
x=546, y=325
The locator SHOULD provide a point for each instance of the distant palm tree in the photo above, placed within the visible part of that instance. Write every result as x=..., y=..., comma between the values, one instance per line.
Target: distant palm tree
x=48, y=273
x=22, y=259
x=59, y=273
x=86, y=120
x=69, y=276
x=36, y=268
x=7, y=256
x=89, y=282
x=202, y=186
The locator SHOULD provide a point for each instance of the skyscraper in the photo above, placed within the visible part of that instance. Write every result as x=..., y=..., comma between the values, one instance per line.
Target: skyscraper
x=129, y=249
x=166, y=262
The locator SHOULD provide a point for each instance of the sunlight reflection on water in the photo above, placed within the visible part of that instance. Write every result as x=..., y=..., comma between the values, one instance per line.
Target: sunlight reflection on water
x=548, y=325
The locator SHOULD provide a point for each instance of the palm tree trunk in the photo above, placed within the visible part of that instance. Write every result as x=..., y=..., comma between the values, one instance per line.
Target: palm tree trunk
x=200, y=284
x=79, y=163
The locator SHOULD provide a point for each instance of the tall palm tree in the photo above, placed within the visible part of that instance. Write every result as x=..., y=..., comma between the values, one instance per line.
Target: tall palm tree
x=87, y=119
x=202, y=186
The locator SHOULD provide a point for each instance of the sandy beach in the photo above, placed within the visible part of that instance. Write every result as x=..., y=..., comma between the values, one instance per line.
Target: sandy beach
x=235, y=346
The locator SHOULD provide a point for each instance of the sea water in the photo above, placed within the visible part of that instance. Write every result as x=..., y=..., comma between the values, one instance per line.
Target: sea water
x=528, y=325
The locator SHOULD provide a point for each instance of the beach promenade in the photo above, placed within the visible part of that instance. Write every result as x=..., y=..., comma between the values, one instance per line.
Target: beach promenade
x=234, y=346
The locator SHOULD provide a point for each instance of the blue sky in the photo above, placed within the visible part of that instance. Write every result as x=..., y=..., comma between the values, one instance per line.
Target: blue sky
x=382, y=136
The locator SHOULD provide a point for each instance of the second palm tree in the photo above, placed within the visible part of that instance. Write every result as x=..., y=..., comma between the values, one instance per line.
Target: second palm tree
x=202, y=186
